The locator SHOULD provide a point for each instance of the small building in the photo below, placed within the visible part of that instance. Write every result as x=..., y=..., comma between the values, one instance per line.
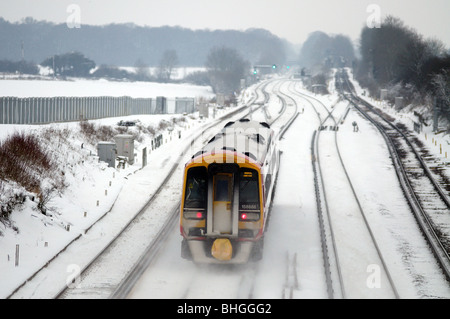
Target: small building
x=107, y=153
x=125, y=146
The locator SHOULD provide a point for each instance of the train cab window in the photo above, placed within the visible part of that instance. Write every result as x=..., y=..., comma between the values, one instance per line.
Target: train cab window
x=222, y=191
x=248, y=189
x=196, y=192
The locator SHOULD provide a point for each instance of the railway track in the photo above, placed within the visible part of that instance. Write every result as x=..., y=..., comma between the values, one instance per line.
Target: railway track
x=239, y=279
x=425, y=192
x=346, y=260
x=106, y=286
x=118, y=285
x=161, y=201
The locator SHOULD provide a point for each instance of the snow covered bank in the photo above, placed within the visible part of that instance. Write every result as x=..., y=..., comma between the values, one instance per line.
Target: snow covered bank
x=438, y=143
x=92, y=186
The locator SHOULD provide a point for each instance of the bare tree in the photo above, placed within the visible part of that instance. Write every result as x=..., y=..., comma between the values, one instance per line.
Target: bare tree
x=167, y=64
x=142, y=70
x=436, y=47
x=225, y=69
x=441, y=82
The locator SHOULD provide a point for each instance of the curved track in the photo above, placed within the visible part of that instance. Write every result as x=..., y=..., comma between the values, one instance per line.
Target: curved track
x=99, y=279
x=232, y=281
x=339, y=210
x=426, y=197
x=296, y=251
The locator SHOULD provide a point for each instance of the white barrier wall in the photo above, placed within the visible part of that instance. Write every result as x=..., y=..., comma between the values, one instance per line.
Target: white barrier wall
x=40, y=110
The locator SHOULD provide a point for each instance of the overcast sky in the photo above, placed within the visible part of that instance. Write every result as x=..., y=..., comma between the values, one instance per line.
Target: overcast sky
x=289, y=19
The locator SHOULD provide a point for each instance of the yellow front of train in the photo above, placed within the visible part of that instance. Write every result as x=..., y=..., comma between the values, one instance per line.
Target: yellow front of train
x=222, y=211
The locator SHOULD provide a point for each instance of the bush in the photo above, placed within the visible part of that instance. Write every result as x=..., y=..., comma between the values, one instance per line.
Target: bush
x=112, y=72
x=163, y=124
x=20, y=66
x=95, y=133
x=198, y=78
x=8, y=201
x=29, y=171
x=23, y=161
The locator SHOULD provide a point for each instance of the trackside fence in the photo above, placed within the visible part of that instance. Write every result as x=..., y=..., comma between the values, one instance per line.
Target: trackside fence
x=41, y=110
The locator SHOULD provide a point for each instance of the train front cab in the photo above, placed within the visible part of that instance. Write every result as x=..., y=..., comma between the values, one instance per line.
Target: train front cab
x=222, y=215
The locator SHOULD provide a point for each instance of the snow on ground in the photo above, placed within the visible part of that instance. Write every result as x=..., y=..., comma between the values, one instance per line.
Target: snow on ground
x=367, y=160
x=93, y=187
x=40, y=238
x=293, y=230
x=438, y=144
x=84, y=87
x=177, y=73
x=370, y=169
x=293, y=227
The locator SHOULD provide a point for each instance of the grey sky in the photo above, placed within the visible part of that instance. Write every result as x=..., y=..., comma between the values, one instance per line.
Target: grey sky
x=289, y=19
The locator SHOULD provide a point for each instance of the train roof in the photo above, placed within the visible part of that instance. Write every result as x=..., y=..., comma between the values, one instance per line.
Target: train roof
x=251, y=138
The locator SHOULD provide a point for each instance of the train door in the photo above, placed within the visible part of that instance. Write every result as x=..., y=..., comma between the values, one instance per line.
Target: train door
x=222, y=206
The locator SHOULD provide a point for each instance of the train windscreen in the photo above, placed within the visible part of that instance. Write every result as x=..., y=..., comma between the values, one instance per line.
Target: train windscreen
x=196, y=188
x=248, y=189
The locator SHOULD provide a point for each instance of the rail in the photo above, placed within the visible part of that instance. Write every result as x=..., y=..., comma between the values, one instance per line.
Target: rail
x=336, y=280
x=130, y=280
x=425, y=216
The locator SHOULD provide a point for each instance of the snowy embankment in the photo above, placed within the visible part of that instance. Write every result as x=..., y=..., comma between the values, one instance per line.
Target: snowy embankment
x=91, y=186
x=438, y=144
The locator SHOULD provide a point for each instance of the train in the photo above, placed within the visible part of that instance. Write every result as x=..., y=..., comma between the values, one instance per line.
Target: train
x=228, y=188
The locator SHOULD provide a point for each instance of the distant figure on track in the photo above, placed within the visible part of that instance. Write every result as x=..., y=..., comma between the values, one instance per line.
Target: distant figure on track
x=355, y=126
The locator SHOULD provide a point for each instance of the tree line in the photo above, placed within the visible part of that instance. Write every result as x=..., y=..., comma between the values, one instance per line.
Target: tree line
x=321, y=50
x=392, y=56
x=97, y=51
x=224, y=68
x=319, y=54
x=125, y=44
x=398, y=58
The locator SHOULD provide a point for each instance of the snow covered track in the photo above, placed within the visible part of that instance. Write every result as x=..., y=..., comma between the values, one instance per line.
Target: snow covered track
x=347, y=277
x=291, y=284
x=335, y=188
x=99, y=278
x=426, y=197
x=137, y=231
x=169, y=276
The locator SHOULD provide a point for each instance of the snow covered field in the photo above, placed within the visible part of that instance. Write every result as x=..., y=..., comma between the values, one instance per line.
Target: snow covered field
x=293, y=226
x=83, y=87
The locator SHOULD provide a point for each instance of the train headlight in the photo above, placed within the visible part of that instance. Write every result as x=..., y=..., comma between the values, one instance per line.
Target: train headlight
x=248, y=216
x=193, y=215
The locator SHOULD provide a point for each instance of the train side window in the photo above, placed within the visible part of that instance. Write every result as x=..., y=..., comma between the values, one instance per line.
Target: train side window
x=248, y=189
x=196, y=192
